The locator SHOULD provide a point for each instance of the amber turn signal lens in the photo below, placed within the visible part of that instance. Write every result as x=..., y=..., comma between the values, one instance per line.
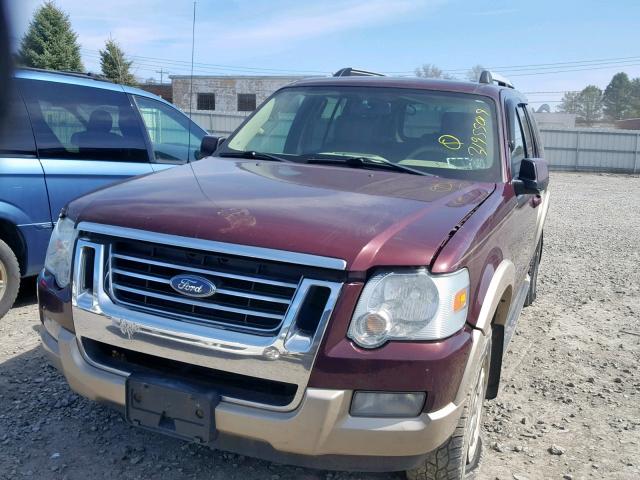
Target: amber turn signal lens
x=460, y=300
x=376, y=324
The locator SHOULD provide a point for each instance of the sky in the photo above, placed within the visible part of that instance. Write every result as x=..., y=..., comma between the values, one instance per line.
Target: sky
x=547, y=46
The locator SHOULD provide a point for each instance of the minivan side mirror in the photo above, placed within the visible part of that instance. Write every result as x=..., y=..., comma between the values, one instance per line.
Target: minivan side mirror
x=209, y=145
x=533, y=177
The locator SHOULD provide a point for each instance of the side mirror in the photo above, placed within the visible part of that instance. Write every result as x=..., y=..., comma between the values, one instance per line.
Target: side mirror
x=209, y=145
x=533, y=177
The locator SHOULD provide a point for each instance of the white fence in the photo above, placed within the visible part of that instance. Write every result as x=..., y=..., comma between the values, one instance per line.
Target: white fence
x=569, y=149
x=221, y=124
x=592, y=150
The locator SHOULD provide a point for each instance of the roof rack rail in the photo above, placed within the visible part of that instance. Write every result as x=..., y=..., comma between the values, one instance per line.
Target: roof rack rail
x=353, y=72
x=489, y=77
x=90, y=75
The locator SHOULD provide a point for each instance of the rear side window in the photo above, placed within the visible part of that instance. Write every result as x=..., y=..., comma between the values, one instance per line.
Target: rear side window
x=16, y=136
x=78, y=122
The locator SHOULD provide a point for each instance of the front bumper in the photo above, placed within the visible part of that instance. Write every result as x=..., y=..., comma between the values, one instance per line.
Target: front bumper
x=318, y=433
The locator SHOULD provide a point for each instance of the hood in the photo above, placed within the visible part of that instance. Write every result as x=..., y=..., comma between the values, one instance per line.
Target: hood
x=367, y=218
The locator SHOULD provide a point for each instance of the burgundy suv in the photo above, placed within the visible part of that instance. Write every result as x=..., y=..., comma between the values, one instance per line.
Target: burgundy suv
x=333, y=286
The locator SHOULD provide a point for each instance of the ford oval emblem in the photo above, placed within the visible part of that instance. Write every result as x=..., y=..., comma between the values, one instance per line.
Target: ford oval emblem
x=193, y=286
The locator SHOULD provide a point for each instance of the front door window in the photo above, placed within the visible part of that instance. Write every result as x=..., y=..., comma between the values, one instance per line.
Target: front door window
x=174, y=137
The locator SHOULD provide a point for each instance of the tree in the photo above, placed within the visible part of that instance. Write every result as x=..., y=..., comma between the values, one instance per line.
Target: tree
x=114, y=64
x=429, y=70
x=617, y=96
x=474, y=73
x=50, y=42
x=634, y=110
x=590, y=104
x=569, y=102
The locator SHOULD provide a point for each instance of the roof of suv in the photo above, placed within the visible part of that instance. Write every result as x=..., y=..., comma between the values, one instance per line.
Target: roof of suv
x=490, y=90
x=81, y=79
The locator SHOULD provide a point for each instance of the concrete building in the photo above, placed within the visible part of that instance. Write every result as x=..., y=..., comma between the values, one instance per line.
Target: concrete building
x=225, y=94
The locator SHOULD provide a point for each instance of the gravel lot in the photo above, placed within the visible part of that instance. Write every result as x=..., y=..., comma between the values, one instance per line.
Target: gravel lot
x=569, y=406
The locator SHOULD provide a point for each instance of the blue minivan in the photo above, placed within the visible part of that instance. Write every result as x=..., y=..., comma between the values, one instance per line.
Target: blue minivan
x=69, y=134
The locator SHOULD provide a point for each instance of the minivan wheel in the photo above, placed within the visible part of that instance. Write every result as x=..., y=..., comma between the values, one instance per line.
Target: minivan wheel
x=9, y=278
x=459, y=457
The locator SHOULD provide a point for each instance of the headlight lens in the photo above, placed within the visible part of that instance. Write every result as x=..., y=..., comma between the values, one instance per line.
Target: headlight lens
x=60, y=251
x=411, y=305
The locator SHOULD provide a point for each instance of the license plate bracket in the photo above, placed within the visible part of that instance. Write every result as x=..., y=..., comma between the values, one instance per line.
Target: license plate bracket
x=172, y=407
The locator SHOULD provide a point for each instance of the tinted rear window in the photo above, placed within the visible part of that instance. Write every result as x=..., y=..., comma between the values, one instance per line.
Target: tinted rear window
x=78, y=122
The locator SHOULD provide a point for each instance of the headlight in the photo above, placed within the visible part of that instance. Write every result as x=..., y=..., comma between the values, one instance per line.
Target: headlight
x=411, y=305
x=60, y=251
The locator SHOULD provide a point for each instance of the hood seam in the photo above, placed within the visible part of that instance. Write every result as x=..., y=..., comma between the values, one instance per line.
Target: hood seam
x=457, y=227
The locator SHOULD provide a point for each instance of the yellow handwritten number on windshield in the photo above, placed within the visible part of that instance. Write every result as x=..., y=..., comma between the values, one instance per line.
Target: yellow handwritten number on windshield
x=450, y=142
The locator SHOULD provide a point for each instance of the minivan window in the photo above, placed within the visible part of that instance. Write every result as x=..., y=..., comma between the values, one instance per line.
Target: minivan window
x=78, y=122
x=173, y=139
x=16, y=136
x=449, y=134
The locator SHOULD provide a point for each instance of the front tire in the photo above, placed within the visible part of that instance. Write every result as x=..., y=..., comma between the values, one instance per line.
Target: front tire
x=459, y=457
x=9, y=278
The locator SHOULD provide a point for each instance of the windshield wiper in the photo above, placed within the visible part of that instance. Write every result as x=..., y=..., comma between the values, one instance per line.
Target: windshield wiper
x=253, y=154
x=360, y=162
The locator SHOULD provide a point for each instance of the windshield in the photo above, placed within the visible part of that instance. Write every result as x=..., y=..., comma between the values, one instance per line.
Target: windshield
x=448, y=134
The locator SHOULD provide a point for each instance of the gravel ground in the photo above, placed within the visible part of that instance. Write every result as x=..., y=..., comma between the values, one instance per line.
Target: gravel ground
x=569, y=406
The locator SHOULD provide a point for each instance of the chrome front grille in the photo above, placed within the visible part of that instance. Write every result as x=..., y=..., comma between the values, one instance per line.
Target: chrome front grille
x=250, y=295
x=266, y=321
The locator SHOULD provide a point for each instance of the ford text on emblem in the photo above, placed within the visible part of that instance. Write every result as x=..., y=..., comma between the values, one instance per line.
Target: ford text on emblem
x=193, y=286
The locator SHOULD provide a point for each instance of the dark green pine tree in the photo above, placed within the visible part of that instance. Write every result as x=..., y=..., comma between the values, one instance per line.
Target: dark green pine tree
x=570, y=102
x=590, y=104
x=617, y=96
x=50, y=42
x=635, y=98
x=114, y=64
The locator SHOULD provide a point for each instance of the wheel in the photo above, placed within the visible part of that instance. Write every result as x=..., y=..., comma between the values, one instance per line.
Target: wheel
x=9, y=278
x=459, y=457
x=533, y=275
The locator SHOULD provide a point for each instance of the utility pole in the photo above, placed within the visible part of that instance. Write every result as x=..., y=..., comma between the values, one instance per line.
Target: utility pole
x=161, y=72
